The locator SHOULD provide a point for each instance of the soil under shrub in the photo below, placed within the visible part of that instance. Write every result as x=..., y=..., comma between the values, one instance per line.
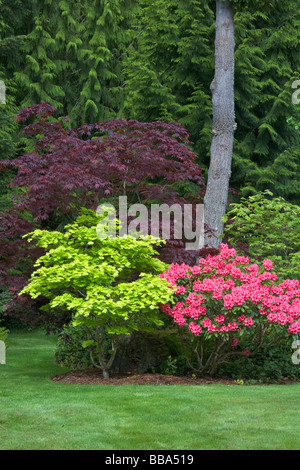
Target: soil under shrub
x=94, y=377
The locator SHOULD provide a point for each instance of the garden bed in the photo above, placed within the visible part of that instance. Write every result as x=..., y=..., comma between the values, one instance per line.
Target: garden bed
x=94, y=377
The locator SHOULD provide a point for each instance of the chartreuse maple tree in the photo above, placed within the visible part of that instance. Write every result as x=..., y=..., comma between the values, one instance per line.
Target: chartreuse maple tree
x=111, y=285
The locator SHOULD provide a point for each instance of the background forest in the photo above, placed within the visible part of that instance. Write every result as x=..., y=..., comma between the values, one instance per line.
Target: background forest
x=148, y=62
x=154, y=60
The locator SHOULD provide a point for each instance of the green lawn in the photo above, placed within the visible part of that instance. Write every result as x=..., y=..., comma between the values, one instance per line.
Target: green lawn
x=38, y=414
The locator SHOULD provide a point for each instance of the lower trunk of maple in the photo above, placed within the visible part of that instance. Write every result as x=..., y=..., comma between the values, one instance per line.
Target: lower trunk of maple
x=222, y=88
x=102, y=362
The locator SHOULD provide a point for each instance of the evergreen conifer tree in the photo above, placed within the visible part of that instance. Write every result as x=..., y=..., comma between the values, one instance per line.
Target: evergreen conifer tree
x=10, y=42
x=43, y=74
x=100, y=58
x=180, y=67
x=72, y=57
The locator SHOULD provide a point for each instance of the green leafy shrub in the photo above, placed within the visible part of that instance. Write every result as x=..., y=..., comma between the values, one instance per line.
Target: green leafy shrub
x=270, y=364
x=69, y=351
x=266, y=227
x=139, y=352
x=173, y=365
x=4, y=299
x=226, y=298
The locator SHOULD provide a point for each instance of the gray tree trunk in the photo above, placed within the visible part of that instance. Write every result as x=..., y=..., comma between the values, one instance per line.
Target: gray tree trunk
x=222, y=88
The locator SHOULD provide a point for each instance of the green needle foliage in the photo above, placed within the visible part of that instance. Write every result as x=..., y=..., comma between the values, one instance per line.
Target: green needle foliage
x=48, y=61
x=72, y=57
x=104, y=40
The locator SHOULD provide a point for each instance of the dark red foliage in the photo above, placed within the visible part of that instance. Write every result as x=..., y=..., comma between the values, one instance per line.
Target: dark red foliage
x=42, y=110
x=74, y=168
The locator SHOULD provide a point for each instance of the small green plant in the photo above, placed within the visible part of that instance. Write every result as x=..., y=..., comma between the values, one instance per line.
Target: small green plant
x=169, y=366
x=239, y=381
x=109, y=284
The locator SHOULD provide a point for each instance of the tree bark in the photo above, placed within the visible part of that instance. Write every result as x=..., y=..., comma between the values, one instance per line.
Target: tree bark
x=222, y=88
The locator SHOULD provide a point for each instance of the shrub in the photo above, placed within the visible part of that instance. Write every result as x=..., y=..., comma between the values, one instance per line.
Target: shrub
x=69, y=351
x=226, y=298
x=266, y=227
x=137, y=353
x=270, y=364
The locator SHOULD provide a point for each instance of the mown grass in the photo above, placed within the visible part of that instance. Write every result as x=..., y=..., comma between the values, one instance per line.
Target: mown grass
x=38, y=414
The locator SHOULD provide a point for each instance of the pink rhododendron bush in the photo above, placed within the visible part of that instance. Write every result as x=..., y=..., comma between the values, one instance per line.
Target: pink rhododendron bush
x=224, y=301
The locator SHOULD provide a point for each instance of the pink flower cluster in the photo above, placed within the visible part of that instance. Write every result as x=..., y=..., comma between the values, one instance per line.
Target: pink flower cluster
x=225, y=293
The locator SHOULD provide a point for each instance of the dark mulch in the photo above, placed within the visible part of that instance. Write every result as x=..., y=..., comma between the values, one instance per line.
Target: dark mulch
x=94, y=377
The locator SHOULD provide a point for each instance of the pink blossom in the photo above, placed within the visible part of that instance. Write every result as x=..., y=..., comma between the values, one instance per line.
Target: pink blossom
x=202, y=310
x=195, y=329
x=218, y=294
x=179, y=319
x=268, y=264
x=228, y=301
x=196, y=270
x=282, y=318
x=233, y=326
x=206, y=322
x=223, y=329
x=180, y=290
x=241, y=260
x=253, y=268
x=272, y=317
x=294, y=328
x=229, y=284
x=262, y=311
x=191, y=312
x=248, y=321
x=211, y=328
x=220, y=319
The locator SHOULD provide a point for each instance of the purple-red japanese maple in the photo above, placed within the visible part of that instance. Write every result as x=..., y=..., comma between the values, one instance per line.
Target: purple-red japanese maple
x=73, y=168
